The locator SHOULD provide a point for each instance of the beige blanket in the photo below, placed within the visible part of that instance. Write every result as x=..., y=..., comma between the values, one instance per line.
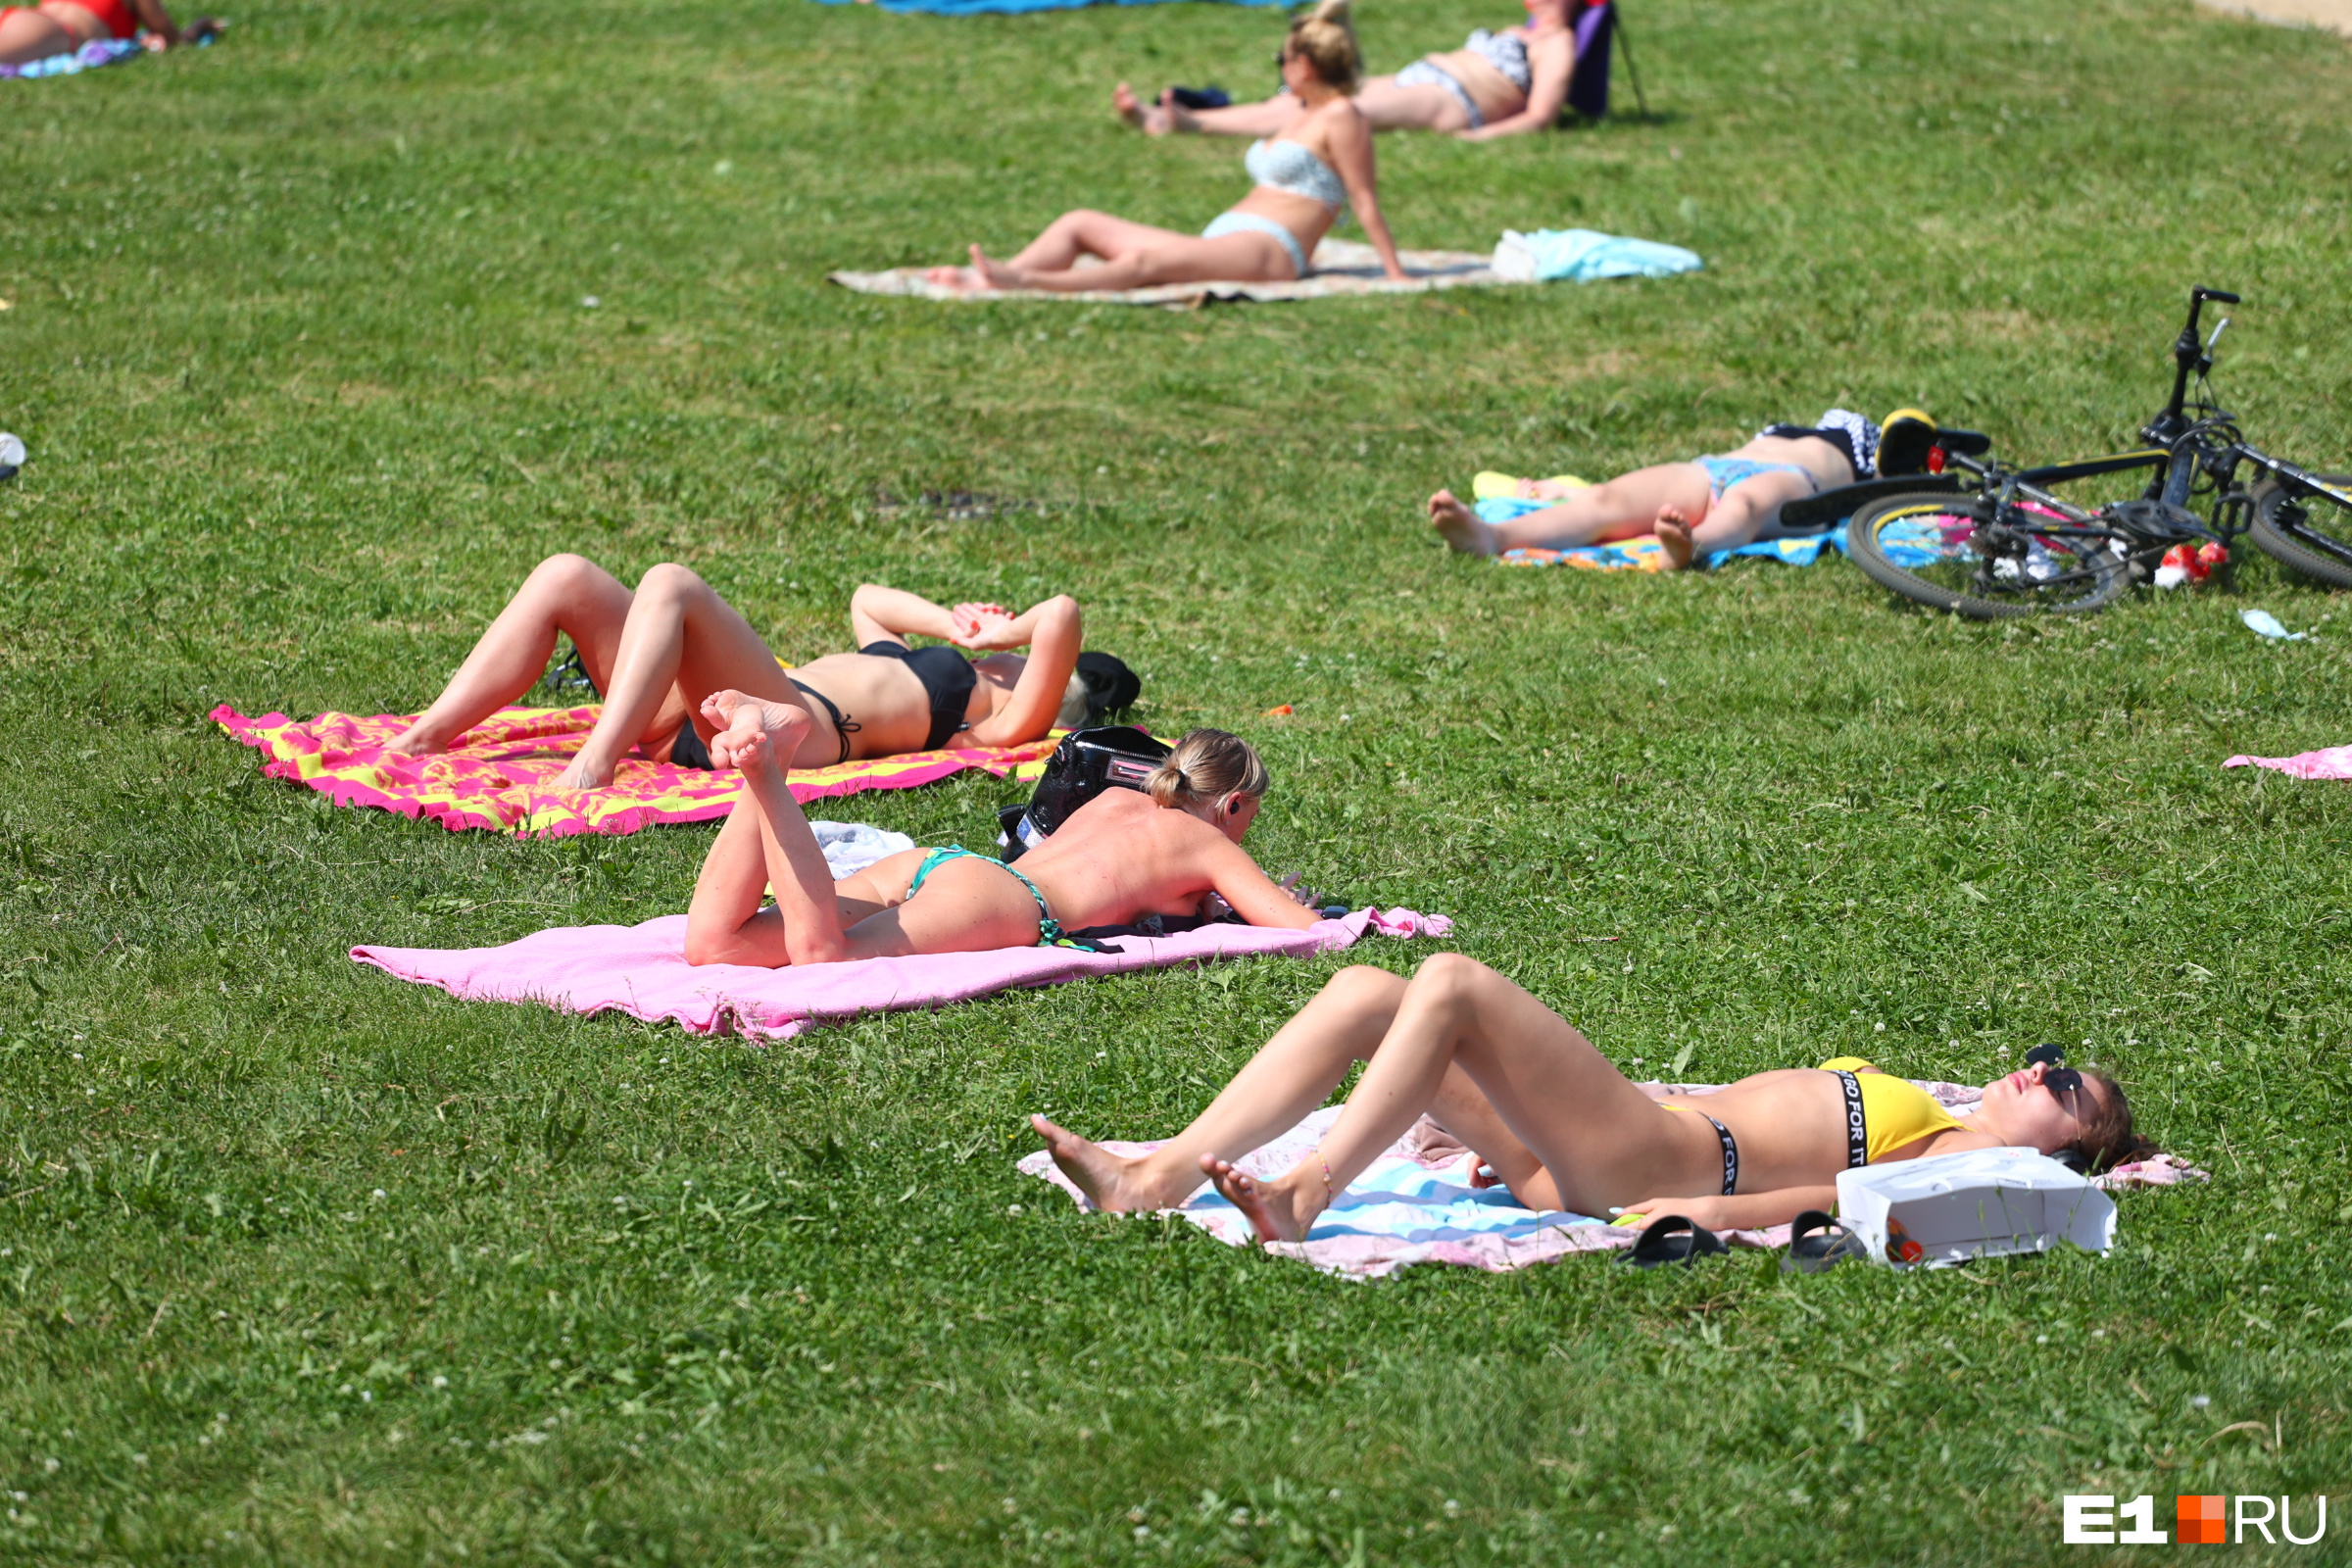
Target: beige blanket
x=1340, y=266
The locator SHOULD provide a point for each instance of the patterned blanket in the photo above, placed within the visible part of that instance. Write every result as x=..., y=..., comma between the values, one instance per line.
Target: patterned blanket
x=497, y=776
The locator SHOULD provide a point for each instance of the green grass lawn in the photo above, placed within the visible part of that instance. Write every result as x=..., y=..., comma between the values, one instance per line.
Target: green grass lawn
x=299, y=1264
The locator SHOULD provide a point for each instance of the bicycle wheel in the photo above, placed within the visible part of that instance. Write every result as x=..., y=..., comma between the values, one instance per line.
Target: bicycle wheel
x=1959, y=555
x=2307, y=530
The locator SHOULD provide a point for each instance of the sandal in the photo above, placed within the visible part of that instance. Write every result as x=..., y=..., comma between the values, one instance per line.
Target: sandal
x=1817, y=1244
x=1673, y=1238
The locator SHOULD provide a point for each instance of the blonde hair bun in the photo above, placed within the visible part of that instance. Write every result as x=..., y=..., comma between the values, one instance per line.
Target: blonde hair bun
x=1325, y=38
x=1209, y=767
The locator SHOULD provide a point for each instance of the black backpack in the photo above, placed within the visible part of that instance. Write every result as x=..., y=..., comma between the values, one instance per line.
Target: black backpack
x=1086, y=762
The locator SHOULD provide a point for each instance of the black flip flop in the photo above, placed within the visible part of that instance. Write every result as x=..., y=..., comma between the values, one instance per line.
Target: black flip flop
x=1673, y=1238
x=1817, y=1243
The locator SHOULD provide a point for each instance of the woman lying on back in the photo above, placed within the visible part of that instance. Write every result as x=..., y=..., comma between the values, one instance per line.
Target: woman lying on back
x=1315, y=158
x=1503, y=83
x=1558, y=1124
x=656, y=654
x=60, y=27
x=1120, y=856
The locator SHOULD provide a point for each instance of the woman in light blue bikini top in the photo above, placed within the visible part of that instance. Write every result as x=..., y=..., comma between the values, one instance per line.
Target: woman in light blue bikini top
x=1289, y=168
x=1315, y=161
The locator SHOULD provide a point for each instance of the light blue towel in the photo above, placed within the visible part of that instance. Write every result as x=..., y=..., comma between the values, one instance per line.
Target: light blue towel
x=1795, y=552
x=89, y=56
x=1583, y=255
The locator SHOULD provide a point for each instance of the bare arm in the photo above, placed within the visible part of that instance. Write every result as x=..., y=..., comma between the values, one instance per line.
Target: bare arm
x=1743, y=1212
x=1054, y=631
x=1554, y=62
x=879, y=615
x=1351, y=143
x=155, y=19
x=1254, y=895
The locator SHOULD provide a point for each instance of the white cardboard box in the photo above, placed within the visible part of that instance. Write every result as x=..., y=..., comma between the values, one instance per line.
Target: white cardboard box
x=1983, y=1203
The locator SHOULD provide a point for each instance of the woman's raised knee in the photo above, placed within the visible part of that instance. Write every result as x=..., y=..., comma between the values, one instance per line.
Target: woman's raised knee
x=1453, y=973
x=669, y=580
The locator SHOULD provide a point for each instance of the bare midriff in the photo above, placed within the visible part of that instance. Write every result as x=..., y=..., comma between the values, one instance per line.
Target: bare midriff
x=1307, y=219
x=1497, y=97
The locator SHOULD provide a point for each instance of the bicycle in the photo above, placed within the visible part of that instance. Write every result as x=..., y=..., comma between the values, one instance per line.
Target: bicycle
x=2013, y=547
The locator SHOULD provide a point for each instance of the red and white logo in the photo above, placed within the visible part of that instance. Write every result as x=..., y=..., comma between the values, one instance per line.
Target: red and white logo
x=2093, y=1519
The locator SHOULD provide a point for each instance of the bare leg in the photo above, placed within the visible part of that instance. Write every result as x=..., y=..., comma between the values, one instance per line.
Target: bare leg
x=567, y=594
x=766, y=843
x=1625, y=508
x=1294, y=1072
x=1601, y=1139
x=1731, y=522
x=27, y=35
x=1262, y=119
x=679, y=635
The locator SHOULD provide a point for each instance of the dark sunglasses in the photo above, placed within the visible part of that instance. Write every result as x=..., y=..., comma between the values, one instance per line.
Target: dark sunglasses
x=2061, y=1080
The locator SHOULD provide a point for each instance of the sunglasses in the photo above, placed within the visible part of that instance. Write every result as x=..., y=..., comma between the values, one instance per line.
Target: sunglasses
x=2061, y=1080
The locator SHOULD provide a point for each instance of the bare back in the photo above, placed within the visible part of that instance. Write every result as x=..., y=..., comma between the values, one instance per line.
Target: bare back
x=1121, y=856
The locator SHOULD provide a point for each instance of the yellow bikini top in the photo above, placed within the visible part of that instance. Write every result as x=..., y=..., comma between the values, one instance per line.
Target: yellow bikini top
x=1892, y=1111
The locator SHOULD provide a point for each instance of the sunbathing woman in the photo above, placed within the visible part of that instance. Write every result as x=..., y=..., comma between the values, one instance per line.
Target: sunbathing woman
x=1497, y=84
x=1559, y=1126
x=60, y=27
x=1694, y=508
x=1316, y=158
x=1120, y=856
x=655, y=654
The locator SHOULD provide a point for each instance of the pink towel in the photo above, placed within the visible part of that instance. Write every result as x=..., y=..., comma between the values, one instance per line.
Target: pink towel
x=2334, y=763
x=642, y=970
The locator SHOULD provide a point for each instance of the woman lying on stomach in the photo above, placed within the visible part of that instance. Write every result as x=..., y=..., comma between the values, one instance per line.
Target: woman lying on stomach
x=1316, y=157
x=1558, y=1124
x=656, y=654
x=1697, y=508
x=1120, y=856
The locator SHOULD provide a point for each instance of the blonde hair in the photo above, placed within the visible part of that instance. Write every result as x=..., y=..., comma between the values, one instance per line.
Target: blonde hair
x=1325, y=38
x=1074, y=709
x=1209, y=767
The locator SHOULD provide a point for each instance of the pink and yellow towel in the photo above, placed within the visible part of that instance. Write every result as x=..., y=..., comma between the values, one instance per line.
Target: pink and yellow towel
x=498, y=776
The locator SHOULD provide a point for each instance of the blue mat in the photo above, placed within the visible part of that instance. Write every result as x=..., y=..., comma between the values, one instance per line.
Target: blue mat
x=89, y=56
x=1001, y=8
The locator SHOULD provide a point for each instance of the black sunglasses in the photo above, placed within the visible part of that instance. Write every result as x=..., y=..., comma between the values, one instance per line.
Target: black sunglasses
x=2061, y=1080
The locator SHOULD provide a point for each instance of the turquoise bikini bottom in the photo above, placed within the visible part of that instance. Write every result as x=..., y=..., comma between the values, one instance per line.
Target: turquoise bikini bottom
x=1048, y=929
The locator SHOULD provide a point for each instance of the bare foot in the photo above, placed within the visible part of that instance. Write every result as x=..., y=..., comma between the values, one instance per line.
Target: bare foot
x=578, y=776
x=414, y=742
x=1270, y=1215
x=1674, y=532
x=1174, y=117
x=1152, y=121
x=752, y=732
x=1460, y=525
x=1110, y=1182
x=955, y=277
x=994, y=273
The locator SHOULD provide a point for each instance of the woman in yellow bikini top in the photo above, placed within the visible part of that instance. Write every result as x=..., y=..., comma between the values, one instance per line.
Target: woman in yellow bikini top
x=1553, y=1120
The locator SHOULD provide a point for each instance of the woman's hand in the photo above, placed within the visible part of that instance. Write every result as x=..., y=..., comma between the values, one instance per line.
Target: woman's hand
x=975, y=621
x=1707, y=1211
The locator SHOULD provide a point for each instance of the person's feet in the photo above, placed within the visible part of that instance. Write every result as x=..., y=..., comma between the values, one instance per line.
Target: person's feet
x=580, y=774
x=983, y=273
x=754, y=733
x=1174, y=116
x=1674, y=532
x=1150, y=118
x=1112, y=1184
x=415, y=741
x=1274, y=1215
x=1460, y=525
